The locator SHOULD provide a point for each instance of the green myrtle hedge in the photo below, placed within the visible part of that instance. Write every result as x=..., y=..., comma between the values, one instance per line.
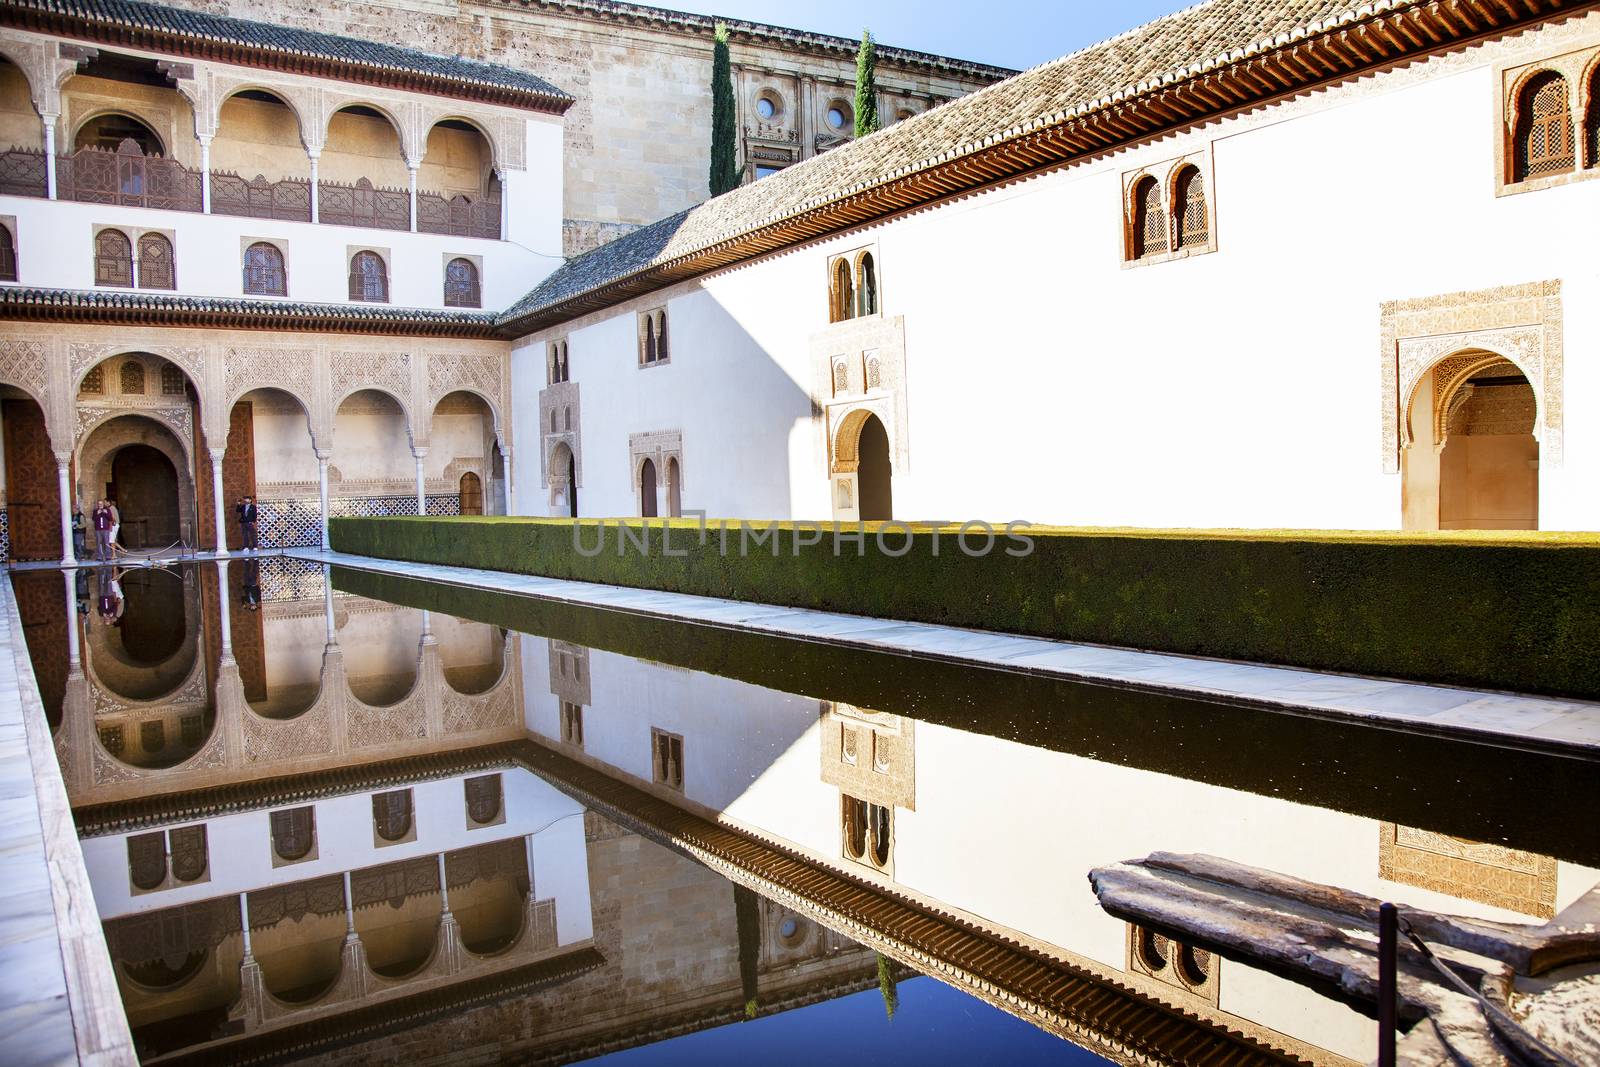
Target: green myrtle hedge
x=1514, y=611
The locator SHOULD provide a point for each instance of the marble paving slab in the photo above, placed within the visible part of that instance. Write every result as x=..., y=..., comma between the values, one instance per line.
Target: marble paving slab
x=1571, y=726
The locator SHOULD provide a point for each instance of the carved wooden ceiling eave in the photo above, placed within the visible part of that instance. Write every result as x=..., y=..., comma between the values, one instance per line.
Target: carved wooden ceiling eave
x=1316, y=62
x=64, y=24
x=231, y=320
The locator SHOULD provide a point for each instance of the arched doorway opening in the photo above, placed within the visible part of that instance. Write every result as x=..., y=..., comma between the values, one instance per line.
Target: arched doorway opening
x=873, y=473
x=674, y=487
x=140, y=464
x=470, y=494
x=33, y=495
x=647, y=489
x=144, y=484
x=563, y=479
x=1473, y=461
x=373, y=464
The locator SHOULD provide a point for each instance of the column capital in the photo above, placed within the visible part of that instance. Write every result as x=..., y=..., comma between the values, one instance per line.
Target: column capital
x=420, y=451
x=217, y=454
x=63, y=460
x=323, y=454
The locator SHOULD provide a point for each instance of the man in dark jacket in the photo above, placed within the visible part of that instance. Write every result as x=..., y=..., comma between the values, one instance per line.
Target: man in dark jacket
x=247, y=522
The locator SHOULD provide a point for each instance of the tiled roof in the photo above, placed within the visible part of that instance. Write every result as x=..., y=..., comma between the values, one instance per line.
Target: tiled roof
x=1109, y=78
x=242, y=39
x=144, y=308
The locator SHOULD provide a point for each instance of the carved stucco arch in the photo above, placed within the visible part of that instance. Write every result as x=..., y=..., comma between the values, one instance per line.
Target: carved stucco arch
x=297, y=100
x=403, y=119
x=1519, y=324
x=1451, y=373
x=174, y=420
x=318, y=435
x=25, y=365
x=33, y=60
x=405, y=411
x=431, y=117
x=471, y=390
x=846, y=435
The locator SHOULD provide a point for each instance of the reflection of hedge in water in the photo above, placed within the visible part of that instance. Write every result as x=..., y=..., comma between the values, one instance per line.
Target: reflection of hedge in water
x=1510, y=611
x=1470, y=790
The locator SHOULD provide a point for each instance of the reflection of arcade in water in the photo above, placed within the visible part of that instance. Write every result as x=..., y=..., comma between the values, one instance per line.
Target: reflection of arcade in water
x=154, y=676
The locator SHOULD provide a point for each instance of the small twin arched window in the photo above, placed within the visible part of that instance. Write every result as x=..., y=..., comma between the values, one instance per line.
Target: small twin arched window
x=653, y=337
x=852, y=287
x=293, y=833
x=157, y=269
x=1544, y=143
x=461, y=288
x=1176, y=219
x=369, y=278
x=559, y=369
x=114, y=263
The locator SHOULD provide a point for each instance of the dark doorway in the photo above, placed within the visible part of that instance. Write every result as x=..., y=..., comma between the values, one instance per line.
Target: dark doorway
x=674, y=488
x=872, y=475
x=145, y=486
x=33, y=497
x=471, y=494
x=572, y=484
x=647, y=489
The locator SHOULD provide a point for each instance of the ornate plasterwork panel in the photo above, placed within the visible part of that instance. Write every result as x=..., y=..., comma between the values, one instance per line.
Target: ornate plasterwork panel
x=1518, y=323
x=657, y=446
x=558, y=400
x=870, y=755
x=271, y=740
x=860, y=364
x=1509, y=878
x=179, y=419
x=26, y=363
x=270, y=367
x=389, y=372
x=569, y=672
x=476, y=372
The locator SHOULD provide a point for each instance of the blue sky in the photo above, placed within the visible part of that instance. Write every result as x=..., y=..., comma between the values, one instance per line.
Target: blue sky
x=935, y=1025
x=1011, y=33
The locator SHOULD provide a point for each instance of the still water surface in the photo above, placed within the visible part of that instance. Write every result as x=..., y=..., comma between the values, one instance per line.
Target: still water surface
x=345, y=816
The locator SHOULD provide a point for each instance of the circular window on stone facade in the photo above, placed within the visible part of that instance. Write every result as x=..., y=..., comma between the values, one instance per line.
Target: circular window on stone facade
x=769, y=105
x=790, y=930
x=839, y=115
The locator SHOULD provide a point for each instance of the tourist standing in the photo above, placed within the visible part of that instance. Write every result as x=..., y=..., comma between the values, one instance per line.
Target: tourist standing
x=247, y=522
x=116, y=526
x=101, y=520
x=79, y=531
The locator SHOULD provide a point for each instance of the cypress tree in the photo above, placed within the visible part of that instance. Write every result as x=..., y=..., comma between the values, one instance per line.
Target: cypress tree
x=866, y=86
x=724, y=165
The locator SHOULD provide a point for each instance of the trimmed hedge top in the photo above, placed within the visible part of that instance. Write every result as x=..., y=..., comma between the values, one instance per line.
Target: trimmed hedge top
x=1499, y=610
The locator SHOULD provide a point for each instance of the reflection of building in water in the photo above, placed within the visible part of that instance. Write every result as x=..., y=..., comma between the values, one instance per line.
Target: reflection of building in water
x=290, y=677
x=634, y=941
x=991, y=840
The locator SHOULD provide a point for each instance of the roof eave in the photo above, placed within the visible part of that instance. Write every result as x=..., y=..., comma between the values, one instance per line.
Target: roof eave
x=1319, y=58
x=78, y=27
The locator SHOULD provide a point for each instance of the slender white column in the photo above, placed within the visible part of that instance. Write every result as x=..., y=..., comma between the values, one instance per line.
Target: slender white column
x=412, y=169
x=322, y=494
x=327, y=604
x=529, y=847
x=349, y=909
x=74, y=656
x=314, y=197
x=205, y=174
x=216, y=498
x=505, y=208
x=224, y=619
x=50, y=156
x=444, y=888
x=422, y=483
x=511, y=491
x=244, y=924
x=64, y=486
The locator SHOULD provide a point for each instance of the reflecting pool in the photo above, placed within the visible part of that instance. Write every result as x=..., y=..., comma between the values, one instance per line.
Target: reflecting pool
x=343, y=816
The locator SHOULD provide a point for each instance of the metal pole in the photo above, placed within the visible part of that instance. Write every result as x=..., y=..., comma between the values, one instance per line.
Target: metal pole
x=1388, y=916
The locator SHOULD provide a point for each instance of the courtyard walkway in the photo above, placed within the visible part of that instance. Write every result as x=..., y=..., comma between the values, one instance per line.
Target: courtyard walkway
x=1540, y=723
x=58, y=995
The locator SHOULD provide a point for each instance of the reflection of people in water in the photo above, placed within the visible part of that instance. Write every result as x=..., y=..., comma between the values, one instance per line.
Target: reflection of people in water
x=251, y=598
x=80, y=581
x=111, y=599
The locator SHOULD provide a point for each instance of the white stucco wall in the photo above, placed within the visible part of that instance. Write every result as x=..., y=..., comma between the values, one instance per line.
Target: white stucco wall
x=1047, y=381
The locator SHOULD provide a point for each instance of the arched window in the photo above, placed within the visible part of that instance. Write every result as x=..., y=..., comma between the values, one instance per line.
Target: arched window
x=855, y=828
x=566, y=418
x=8, y=255
x=471, y=494
x=113, y=259
x=1544, y=128
x=866, y=285
x=461, y=284
x=1149, y=219
x=842, y=294
x=264, y=274
x=662, y=353
x=188, y=853
x=391, y=814
x=107, y=132
x=133, y=378
x=173, y=382
x=1189, y=209
x=647, y=489
x=649, y=353
x=483, y=798
x=868, y=832
x=94, y=382
x=293, y=833
x=147, y=860
x=552, y=420
x=156, y=267
x=369, y=278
